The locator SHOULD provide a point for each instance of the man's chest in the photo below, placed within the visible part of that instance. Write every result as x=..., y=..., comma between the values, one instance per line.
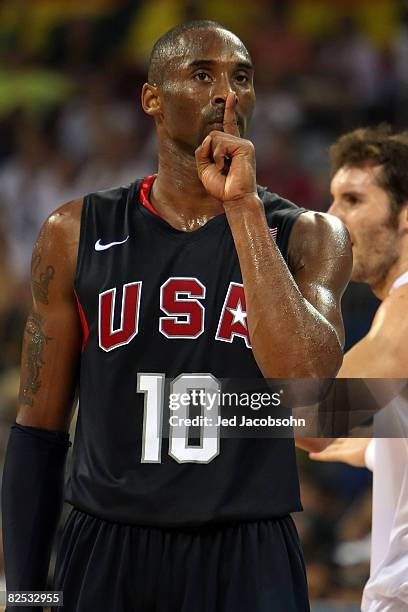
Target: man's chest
x=168, y=290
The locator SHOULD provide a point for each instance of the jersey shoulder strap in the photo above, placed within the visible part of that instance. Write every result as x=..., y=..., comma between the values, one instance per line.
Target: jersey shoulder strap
x=281, y=214
x=104, y=218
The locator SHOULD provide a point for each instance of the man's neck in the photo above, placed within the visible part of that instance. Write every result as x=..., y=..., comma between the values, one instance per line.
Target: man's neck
x=178, y=194
x=382, y=290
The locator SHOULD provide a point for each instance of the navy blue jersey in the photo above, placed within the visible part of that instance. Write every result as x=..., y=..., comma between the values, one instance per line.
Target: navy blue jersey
x=159, y=304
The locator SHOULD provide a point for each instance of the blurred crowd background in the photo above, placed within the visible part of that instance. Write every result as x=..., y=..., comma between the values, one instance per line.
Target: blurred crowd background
x=70, y=123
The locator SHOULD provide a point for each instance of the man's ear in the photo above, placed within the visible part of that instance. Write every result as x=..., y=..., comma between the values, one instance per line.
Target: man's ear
x=151, y=100
x=403, y=218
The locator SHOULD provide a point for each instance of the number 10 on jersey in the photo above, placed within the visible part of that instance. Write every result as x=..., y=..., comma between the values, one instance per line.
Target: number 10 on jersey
x=153, y=386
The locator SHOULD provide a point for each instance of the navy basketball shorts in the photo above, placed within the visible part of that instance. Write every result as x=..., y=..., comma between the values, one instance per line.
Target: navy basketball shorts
x=247, y=567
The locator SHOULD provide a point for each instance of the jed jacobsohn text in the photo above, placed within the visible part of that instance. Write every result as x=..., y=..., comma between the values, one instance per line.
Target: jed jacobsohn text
x=200, y=397
x=244, y=421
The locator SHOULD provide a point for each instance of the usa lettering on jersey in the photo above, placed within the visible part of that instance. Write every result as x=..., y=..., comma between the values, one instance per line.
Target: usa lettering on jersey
x=183, y=307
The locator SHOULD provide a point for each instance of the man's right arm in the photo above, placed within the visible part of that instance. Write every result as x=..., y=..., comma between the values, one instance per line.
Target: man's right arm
x=383, y=352
x=346, y=450
x=35, y=459
x=52, y=337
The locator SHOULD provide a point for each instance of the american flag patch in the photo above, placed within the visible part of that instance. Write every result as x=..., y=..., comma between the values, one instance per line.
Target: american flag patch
x=273, y=232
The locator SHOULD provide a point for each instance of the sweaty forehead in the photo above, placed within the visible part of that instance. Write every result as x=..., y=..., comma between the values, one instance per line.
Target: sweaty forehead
x=213, y=44
x=356, y=178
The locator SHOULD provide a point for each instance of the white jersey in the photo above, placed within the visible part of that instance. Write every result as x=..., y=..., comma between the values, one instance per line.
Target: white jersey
x=387, y=587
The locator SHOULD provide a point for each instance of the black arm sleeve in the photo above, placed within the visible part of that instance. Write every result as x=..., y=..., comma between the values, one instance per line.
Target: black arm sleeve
x=33, y=482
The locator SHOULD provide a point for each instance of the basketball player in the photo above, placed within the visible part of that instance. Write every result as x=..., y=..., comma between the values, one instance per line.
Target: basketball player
x=370, y=195
x=146, y=282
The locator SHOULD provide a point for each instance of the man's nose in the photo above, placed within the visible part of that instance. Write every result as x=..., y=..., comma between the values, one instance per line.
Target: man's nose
x=336, y=209
x=222, y=89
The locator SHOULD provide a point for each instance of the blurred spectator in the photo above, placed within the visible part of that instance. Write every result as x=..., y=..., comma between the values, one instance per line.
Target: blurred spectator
x=29, y=180
x=96, y=109
x=279, y=169
x=118, y=161
x=353, y=61
x=279, y=52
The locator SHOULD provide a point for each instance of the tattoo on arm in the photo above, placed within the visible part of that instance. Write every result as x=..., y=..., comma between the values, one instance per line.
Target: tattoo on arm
x=36, y=341
x=40, y=287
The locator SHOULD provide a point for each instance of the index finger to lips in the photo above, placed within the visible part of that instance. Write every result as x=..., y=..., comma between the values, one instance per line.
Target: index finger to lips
x=229, y=121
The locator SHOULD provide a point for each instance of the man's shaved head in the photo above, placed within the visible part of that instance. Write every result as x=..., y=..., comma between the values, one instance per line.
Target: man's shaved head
x=193, y=67
x=170, y=45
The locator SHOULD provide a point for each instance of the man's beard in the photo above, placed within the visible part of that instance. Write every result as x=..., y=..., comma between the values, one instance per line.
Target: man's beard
x=373, y=263
x=376, y=254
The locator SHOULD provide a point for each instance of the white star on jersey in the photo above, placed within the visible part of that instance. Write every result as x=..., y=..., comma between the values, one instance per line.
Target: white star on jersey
x=239, y=315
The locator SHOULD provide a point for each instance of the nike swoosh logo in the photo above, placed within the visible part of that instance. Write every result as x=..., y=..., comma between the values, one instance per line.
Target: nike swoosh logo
x=103, y=247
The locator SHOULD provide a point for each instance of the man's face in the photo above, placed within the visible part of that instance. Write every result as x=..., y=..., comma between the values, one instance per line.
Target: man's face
x=207, y=65
x=365, y=208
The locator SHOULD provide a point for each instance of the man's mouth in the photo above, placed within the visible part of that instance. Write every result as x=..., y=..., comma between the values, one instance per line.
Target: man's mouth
x=219, y=122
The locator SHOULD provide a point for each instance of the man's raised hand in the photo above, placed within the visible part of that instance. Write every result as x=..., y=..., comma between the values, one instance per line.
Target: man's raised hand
x=346, y=450
x=230, y=125
x=226, y=162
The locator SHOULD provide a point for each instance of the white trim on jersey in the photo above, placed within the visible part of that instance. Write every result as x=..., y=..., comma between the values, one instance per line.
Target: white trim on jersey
x=387, y=587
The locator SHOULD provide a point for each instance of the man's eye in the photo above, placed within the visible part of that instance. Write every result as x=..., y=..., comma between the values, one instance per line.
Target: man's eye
x=242, y=78
x=202, y=76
